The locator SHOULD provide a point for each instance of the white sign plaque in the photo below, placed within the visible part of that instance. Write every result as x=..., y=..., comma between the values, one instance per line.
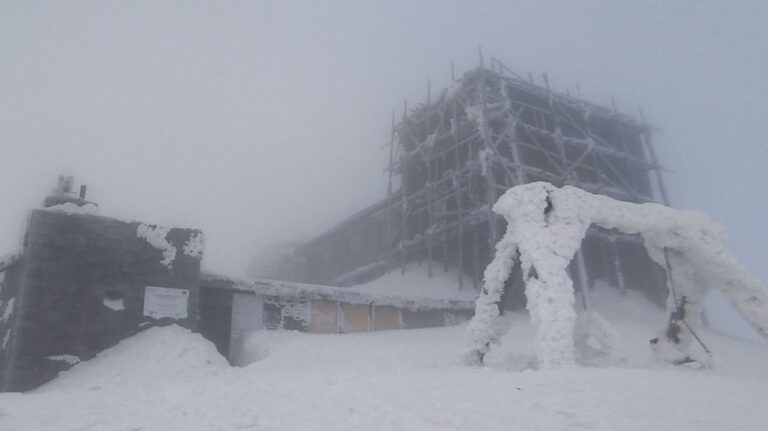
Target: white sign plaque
x=160, y=302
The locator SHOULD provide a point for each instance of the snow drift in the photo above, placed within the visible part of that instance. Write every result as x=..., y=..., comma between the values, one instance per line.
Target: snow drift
x=154, y=358
x=169, y=378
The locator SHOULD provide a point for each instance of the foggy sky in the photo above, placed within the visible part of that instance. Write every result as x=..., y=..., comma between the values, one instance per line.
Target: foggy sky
x=262, y=122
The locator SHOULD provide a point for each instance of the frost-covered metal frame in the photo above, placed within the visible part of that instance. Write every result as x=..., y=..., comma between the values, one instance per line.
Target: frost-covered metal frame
x=454, y=155
x=546, y=226
x=492, y=130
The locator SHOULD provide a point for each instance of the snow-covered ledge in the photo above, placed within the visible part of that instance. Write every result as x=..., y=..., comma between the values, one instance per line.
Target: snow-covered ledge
x=546, y=225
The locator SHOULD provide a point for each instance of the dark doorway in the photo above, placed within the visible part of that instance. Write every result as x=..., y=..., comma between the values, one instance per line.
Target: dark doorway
x=216, y=317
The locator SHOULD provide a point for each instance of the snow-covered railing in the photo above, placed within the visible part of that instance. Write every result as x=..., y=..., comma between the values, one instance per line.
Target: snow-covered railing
x=545, y=228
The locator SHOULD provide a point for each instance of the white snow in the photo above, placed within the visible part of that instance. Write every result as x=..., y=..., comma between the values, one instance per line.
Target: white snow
x=156, y=357
x=6, y=338
x=169, y=378
x=477, y=114
x=156, y=236
x=71, y=208
x=545, y=226
x=8, y=310
x=720, y=316
x=194, y=246
x=116, y=304
x=70, y=359
x=596, y=341
x=415, y=282
x=486, y=326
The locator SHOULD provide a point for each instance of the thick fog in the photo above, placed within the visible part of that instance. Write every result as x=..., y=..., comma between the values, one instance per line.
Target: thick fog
x=265, y=122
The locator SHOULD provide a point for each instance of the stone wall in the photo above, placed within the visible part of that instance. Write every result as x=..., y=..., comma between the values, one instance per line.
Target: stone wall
x=79, y=288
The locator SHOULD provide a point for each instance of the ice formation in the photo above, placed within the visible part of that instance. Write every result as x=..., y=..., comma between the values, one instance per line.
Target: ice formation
x=116, y=304
x=194, y=246
x=156, y=236
x=8, y=310
x=486, y=325
x=70, y=359
x=7, y=338
x=477, y=114
x=71, y=208
x=297, y=311
x=545, y=228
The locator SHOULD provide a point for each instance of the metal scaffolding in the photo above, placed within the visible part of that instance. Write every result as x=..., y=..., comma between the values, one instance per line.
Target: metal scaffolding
x=451, y=157
x=492, y=130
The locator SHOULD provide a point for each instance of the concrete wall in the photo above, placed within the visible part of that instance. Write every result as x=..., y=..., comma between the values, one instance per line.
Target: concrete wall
x=80, y=288
x=10, y=282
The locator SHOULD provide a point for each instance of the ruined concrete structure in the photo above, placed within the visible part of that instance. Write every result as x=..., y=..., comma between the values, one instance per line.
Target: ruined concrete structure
x=452, y=157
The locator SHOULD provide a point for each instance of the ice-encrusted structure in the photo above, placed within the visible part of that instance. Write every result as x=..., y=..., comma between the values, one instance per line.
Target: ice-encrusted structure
x=546, y=225
x=194, y=246
x=156, y=236
x=71, y=208
x=451, y=158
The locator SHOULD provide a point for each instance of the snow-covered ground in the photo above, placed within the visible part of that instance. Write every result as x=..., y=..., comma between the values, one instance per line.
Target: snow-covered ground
x=171, y=379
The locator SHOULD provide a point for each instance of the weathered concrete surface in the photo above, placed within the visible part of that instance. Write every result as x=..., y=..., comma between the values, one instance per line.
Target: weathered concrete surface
x=79, y=289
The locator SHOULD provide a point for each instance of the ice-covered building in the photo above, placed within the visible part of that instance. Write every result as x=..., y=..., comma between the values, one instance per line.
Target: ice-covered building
x=80, y=282
x=453, y=156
